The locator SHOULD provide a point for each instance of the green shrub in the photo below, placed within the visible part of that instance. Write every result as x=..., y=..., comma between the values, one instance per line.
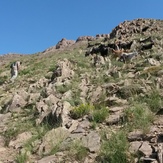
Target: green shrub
x=96, y=114
x=154, y=101
x=130, y=90
x=115, y=150
x=81, y=152
x=21, y=158
x=77, y=151
x=138, y=116
x=81, y=110
x=62, y=88
x=74, y=101
x=93, y=125
x=99, y=115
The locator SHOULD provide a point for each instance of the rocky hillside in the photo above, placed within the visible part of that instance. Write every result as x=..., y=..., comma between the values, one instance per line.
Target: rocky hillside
x=96, y=99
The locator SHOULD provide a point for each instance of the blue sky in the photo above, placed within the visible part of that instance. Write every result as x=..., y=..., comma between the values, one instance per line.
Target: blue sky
x=31, y=26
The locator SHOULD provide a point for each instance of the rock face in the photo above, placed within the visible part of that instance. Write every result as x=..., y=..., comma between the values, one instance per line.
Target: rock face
x=52, y=139
x=20, y=140
x=61, y=45
x=17, y=102
x=64, y=43
x=85, y=38
x=65, y=108
x=92, y=141
x=63, y=71
x=128, y=28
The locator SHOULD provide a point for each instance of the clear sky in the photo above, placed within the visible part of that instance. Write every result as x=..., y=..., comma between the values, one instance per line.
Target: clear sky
x=31, y=26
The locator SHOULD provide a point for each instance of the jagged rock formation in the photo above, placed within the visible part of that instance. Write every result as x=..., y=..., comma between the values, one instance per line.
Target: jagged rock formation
x=64, y=43
x=137, y=26
x=42, y=116
x=85, y=38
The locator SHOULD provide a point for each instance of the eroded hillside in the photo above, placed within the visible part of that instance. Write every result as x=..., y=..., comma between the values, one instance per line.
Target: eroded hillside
x=82, y=101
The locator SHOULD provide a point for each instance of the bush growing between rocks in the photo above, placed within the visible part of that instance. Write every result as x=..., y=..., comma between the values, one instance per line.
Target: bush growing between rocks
x=100, y=114
x=81, y=110
x=29, y=123
x=115, y=150
x=10, y=133
x=74, y=101
x=138, y=116
x=77, y=151
x=96, y=114
x=128, y=91
x=22, y=158
x=63, y=88
x=154, y=101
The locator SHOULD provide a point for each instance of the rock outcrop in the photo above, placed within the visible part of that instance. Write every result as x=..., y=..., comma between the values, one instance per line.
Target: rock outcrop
x=68, y=108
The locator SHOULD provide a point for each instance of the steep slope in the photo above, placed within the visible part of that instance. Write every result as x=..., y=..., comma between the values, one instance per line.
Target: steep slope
x=79, y=102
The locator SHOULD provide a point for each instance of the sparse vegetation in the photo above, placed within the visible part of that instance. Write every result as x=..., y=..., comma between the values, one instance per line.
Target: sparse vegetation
x=84, y=101
x=27, y=120
x=81, y=110
x=77, y=151
x=130, y=90
x=22, y=158
x=63, y=88
x=96, y=114
x=154, y=101
x=3, y=79
x=138, y=116
x=25, y=72
x=100, y=114
x=115, y=149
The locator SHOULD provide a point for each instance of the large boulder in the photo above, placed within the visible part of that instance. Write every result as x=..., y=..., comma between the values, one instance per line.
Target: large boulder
x=85, y=38
x=64, y=43
x=52, y=139
x=50, y=110
x=63, y=72
x=17, y=103
x=92, y=141
x=20, y=140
